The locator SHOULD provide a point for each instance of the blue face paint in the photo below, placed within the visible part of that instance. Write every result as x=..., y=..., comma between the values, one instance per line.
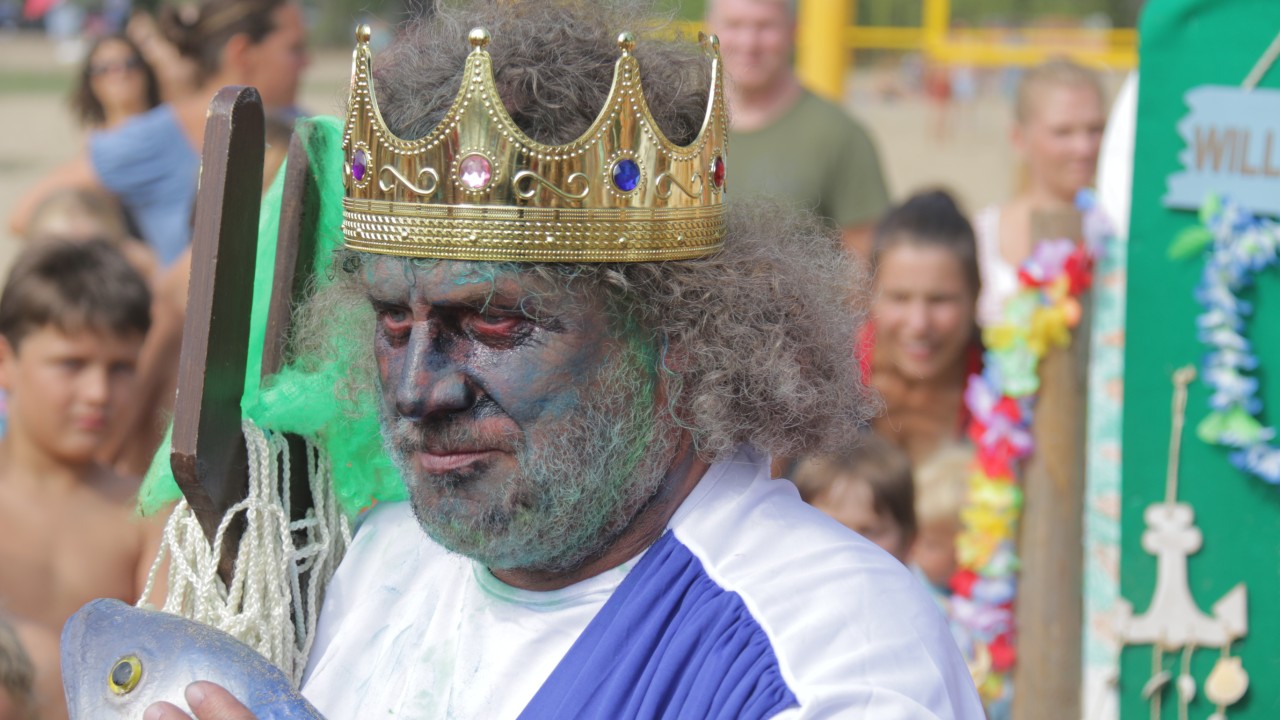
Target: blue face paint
x=504, y=337
x=477, y=273
x=483, y=366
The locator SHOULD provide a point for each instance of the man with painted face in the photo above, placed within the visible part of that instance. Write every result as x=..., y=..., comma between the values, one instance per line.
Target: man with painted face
x=584, y=355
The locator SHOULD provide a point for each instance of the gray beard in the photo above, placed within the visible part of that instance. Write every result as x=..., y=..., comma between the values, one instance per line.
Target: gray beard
x=571, y=498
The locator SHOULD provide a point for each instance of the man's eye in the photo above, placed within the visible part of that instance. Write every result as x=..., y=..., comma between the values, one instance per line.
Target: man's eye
x=394, y=320
x=497, y=324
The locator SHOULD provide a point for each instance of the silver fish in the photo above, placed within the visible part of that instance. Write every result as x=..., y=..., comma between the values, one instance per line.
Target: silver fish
x=117, y=660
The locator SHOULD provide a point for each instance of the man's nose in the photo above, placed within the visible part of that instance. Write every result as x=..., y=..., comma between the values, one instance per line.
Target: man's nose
x=431, y=384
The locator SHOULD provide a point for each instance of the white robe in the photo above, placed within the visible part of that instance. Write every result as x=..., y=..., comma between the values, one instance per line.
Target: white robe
x=410, y=630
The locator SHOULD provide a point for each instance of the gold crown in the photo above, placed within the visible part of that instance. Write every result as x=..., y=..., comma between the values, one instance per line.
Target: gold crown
x=477, y=188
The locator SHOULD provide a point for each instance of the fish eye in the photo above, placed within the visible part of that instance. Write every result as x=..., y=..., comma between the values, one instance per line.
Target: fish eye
x=125, y=675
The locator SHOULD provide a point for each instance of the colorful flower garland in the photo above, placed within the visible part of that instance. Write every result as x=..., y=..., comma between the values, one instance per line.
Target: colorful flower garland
x=1238, y=246
x=1038, y=318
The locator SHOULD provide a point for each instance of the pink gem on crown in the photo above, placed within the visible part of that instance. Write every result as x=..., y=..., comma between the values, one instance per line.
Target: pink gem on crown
x=475, y=171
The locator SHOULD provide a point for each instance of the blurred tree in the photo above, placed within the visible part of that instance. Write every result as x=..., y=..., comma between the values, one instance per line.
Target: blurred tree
x=893, y=14
x=1123, y=13
x=334, y=20
x=685, y=9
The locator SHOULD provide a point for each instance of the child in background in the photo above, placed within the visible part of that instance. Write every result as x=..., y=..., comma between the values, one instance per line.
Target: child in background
x=78, y=214
x=868, y=489
x=84, y=214
x=72, y=319
x=17, y=677
x=940, y=489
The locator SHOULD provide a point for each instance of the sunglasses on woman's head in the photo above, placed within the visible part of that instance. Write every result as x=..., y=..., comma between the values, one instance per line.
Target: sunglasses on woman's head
x=114, y=66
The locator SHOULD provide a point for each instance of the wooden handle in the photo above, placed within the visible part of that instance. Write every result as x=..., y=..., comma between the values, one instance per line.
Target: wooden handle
x=208, y=454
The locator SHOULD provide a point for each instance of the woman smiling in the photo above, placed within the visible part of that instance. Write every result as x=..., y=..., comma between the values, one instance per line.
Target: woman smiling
x=922, y=343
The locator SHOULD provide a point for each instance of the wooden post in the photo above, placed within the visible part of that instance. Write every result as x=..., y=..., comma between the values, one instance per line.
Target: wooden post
x=295, y=254
x=1051, y=545
x=293, y=257
x=208, y=452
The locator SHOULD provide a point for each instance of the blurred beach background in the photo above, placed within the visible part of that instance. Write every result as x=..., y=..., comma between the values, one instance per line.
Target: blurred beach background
x=962, y=146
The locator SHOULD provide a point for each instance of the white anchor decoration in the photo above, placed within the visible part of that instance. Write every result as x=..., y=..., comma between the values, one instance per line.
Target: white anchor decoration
x=1173, y=621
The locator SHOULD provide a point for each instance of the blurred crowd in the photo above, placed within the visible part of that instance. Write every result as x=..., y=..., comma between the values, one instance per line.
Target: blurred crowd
x=91, y=314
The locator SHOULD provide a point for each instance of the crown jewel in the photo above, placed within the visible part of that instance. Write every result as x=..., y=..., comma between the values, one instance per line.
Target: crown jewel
x=477, y=188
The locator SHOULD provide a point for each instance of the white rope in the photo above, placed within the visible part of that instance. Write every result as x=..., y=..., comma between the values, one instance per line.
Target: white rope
x=1182, y=377
x=266, y=605
x=1264, y=63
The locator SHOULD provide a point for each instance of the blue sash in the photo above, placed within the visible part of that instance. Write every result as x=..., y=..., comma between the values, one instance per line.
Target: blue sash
x=669, y=644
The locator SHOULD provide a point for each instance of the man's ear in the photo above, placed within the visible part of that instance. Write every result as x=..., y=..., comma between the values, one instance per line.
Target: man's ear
x=8, y=356
x=235, y=57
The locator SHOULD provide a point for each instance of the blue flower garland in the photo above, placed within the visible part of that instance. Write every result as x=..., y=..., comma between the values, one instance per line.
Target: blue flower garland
x=1238, y=245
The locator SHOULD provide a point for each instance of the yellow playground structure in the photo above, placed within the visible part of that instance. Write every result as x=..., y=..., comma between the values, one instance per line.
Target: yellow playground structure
x=827, y=38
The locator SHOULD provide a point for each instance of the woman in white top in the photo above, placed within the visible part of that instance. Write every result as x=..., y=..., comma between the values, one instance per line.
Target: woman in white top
x=1060, y=113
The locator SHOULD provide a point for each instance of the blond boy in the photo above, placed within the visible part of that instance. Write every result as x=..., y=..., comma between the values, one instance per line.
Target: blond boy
x=72, y=319
x=868, y=489
x=941, y=482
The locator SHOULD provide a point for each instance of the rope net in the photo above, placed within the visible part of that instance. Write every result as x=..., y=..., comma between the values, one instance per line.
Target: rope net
x=282, y=567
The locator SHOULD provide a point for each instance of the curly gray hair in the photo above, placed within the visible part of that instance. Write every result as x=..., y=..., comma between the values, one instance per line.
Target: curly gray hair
x=758, y=341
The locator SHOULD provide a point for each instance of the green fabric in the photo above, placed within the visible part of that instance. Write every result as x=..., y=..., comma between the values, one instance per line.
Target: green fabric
x=1185, y=44
x=295, y=400
x=814, y=155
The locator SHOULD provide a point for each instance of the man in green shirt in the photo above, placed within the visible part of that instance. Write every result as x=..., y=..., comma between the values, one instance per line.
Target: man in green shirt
x=784, y=140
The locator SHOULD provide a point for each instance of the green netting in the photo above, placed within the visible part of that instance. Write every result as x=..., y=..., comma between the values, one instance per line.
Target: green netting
x=294, y=400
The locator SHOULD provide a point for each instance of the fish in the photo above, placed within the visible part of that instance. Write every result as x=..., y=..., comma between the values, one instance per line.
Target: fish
x=117, y=660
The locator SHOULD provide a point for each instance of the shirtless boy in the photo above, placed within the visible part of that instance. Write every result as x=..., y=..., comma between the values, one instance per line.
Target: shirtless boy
x=72, y=319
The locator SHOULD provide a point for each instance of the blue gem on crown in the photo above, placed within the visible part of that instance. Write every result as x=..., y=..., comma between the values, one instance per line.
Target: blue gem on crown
x=626, y=175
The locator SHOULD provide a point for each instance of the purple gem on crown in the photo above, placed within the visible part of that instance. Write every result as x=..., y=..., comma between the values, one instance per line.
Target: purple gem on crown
x=359, y=164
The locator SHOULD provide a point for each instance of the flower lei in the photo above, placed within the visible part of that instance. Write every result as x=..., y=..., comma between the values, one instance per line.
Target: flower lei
x=1038, y=317
x=1238, y=246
